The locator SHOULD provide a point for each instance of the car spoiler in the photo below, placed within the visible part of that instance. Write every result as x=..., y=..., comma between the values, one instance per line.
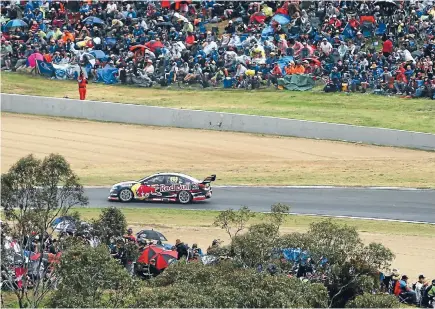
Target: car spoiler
x=209, y=179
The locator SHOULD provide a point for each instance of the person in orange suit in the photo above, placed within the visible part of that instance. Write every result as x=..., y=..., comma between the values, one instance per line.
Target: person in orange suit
x=82, y=85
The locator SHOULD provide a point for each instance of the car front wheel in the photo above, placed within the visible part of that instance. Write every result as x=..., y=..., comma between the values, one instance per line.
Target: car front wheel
x=184, y=197
x=125, y=195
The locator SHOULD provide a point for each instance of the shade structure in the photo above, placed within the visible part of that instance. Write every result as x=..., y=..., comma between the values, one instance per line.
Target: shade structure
x=151, y=234
x=165, y=258
x=149, y=253
x=92, y=20
x=15, y=23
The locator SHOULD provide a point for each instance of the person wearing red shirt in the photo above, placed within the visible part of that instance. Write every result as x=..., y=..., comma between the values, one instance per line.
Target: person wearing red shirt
x=401, y=82
x=190, y=39
x=387, y=48
x=82, y=86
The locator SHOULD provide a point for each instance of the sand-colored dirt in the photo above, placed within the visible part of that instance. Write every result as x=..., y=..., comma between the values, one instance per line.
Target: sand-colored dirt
x=105, y=153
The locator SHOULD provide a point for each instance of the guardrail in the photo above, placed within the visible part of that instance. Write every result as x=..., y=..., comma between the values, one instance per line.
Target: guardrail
x=195, y=119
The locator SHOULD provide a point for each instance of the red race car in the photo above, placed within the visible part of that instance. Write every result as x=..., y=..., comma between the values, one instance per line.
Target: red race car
x=163, y=187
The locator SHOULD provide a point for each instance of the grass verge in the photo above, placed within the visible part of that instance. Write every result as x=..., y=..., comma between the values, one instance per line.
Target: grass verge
x=356, y=109
x=157, y=217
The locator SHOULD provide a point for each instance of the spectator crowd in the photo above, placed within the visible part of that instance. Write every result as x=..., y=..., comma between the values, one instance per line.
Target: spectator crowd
x=148, y=258
x=385, y=47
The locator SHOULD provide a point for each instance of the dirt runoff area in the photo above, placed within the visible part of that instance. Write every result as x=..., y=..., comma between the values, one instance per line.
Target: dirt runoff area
x=106, y=153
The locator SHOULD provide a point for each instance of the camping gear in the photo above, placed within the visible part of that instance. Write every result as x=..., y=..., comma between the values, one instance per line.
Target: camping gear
x=15, y=23
x=281, y=19
x=165, y=258
x=60, y=219
x=32, y=59
x=149, y=253
x=151, y=234
x=299, y=82
x=98, y=54
x=136, y=47
x=92, y=20
x=228, y=82
x=153, y=45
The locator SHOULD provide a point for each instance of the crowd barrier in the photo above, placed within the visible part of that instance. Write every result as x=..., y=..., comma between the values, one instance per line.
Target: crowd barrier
x=195, y=119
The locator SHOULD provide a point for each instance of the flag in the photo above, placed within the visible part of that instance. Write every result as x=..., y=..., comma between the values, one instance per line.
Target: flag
x=348, y=32
x=45, y=68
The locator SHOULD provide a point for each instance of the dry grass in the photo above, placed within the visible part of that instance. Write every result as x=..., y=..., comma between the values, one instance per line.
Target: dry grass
x=105, y=153
x=357, y=109
x=411, y=243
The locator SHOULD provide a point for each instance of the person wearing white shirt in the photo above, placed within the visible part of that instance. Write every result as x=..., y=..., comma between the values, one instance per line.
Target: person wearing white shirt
x=241, y=69
x=325, y=47
x=149, y=69
x=111, y=7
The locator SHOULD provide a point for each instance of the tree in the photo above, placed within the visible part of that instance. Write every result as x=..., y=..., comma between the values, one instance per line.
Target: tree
x=110, y=224
x=33, y=193
x=228, y=286
x=374, y=301
x=278, y=214
x=91, y=278
x=233, y=222
x=255, y=247
x=339, y=255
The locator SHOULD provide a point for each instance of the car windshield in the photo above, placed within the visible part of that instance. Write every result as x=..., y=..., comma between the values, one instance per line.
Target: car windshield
x=184, y=176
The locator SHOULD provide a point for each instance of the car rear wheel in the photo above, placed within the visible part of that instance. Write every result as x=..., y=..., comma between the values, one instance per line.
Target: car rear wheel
x=125, y=195
x=184, y=197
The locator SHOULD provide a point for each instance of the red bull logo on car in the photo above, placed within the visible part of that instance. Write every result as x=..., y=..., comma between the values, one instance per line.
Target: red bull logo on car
x=144, y=191
x=174, y=187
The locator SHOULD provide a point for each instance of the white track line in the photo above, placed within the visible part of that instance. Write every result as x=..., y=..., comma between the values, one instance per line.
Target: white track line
x=331, y=216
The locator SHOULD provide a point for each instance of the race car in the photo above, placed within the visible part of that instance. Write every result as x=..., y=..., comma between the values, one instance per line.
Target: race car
x=163, y=187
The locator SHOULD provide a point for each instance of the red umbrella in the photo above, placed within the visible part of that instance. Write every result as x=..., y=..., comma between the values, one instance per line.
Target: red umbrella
x=136, y=47
x=163, y=259
x=313, y=61
x=153, y=45
x=149, y=253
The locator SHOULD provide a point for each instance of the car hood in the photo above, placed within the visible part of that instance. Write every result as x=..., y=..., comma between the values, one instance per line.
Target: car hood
x=126, y=183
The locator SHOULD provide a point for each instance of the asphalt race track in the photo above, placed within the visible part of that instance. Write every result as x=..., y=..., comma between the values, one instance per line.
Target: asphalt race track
x=397, y=204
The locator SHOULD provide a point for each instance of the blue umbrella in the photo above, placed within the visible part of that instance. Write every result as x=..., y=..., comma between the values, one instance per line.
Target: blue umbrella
x=99, y=54
x=281, y=19
x=16, y=23
x=93, y=20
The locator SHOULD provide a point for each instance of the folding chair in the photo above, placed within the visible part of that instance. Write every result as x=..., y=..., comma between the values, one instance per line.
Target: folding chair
x=381, y=29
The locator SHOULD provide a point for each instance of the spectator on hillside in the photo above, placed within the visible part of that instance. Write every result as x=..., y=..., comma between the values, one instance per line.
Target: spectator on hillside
x=404, y=291
x=181, y=249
